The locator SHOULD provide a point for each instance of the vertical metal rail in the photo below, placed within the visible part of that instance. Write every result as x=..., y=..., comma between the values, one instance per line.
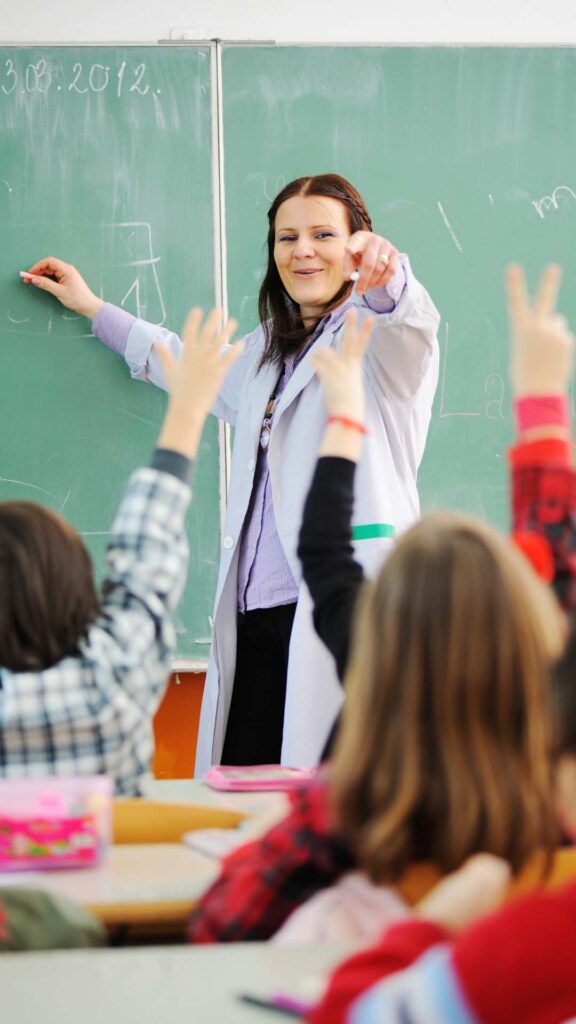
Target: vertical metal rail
x=219, y=221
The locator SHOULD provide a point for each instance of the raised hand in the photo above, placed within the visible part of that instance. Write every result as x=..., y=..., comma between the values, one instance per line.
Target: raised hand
x=374, y=257
x=340, y=370
x=64, y=282
x=342, y=379
x=541, y=343
x=195, y=378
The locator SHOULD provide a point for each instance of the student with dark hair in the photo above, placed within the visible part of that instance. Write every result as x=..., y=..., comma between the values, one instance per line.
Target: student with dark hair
x=271, y=690
x=81, y=675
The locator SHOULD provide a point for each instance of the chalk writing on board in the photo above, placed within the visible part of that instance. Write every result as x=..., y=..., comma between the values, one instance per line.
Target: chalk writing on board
x=552, y=202
x=451, y=231
x=143, y=295
x=495, y=387
x=443, y=409
x=43, y=75
x=494, y=404
x=24, y=483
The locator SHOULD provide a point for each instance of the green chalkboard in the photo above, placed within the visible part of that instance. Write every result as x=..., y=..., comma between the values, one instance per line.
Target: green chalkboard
x=105, y=160
x=467, y=159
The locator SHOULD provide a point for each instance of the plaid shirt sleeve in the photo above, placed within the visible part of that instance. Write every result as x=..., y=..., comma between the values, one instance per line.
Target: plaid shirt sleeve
x=261, y=883
x=544, y=513
x=92, y=713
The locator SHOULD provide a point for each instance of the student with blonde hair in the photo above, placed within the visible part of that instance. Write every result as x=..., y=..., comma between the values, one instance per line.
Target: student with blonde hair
x=451, y=962
x=444, y=748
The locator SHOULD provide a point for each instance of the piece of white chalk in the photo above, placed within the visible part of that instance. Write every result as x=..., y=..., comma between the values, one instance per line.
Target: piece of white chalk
x=354, y=275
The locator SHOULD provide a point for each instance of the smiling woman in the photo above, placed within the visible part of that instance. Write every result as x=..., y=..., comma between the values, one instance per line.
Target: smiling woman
x=271, y=689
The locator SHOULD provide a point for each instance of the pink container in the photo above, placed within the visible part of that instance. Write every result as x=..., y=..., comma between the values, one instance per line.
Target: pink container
x=54, y=823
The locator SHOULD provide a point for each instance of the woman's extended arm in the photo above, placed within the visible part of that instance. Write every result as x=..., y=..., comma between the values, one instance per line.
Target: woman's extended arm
x=141, y=344
x=403, y=352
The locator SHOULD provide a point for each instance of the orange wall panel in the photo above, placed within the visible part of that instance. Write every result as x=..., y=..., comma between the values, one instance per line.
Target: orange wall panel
x=176, y=726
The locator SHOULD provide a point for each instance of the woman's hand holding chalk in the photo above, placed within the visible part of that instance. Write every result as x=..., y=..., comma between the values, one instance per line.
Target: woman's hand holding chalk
x=64, y=282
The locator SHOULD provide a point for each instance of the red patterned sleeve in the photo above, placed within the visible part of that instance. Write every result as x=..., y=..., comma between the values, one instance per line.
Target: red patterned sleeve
x=544, y=512
x=400, y=945
x=261, y=883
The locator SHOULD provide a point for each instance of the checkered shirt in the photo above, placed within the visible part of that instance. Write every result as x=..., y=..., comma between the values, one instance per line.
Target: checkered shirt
x=92, y=714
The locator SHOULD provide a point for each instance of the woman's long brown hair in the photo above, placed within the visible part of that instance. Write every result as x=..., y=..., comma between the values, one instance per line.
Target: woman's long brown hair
x=446, y=739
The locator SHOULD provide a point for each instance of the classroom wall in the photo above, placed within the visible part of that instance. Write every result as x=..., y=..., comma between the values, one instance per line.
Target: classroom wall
x=394, y=21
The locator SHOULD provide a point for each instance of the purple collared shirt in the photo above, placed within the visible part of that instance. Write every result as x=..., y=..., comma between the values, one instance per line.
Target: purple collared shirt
x=265, y=579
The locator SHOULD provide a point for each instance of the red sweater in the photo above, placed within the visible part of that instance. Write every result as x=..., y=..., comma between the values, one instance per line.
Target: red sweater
x=517, y=966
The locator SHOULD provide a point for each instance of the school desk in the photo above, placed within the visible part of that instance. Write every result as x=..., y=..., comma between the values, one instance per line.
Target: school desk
x=195, y=791
x=146, y=986
x=153, y=885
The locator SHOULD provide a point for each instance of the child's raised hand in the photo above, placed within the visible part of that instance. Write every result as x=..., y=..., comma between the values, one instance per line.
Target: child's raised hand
x=542, y=345
x=195, y=378
x=341, y=370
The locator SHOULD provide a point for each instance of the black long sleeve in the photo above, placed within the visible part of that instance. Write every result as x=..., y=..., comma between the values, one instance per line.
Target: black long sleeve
x=325, y=549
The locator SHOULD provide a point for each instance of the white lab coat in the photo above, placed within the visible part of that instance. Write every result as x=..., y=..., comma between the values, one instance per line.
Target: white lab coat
x=401, y=371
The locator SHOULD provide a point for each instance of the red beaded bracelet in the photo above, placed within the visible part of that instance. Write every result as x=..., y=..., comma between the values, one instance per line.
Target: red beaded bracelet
x=352, y=424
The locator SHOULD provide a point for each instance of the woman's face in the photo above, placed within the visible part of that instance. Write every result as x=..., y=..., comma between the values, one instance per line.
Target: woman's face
x=311, y=233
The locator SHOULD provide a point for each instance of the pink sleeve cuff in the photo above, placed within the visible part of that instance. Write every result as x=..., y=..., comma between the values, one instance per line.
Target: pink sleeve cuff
x=542, y=411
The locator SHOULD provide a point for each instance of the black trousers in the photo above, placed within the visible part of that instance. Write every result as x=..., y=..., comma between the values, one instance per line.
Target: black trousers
x=256, y=718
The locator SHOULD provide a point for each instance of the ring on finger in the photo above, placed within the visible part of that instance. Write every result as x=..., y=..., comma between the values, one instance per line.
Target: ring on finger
x=384, y=258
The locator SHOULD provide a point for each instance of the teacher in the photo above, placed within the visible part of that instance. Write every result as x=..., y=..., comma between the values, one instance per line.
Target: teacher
x=271, y=689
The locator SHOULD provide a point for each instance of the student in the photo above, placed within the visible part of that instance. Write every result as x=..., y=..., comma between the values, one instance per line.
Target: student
x=518, y=964
x=521, y=963
x=270, y=688
x=263, y=883
x=80, y=676
x=453, y=644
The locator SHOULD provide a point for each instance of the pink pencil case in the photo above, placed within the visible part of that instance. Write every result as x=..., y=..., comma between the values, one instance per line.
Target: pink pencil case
x=54, y=822
x=256, y=777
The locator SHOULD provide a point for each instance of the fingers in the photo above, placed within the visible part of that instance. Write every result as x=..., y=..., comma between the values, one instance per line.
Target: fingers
x=46, y=284
x=231, y=355
x=547, y=290
x=375, y=258
x=168, y=363
x=49, y=265
x=355, y=339
x=364, y=248
x=191, y=326
x=519, y=306
x=323, y=361
x=516, y=293
x=210, y=334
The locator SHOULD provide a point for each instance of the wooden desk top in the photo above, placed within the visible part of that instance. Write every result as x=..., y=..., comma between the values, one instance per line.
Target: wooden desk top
x=147, y=884
x=197, y=792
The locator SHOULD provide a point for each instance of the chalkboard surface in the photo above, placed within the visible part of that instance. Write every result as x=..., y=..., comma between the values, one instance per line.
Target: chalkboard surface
x=467, y=159
x=105, y=159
